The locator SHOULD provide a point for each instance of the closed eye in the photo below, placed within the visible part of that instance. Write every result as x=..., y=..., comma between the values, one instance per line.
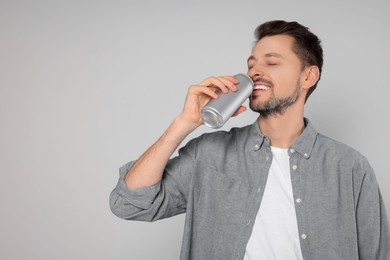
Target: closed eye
x=250, y=66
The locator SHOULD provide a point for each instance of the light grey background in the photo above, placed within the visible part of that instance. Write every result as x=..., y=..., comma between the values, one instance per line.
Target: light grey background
x=86, y=86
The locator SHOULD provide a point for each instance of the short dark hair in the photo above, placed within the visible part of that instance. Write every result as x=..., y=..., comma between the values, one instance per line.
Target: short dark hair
x=307, y=46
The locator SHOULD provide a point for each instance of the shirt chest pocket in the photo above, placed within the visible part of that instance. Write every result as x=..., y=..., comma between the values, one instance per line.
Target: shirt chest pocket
x=220, y=196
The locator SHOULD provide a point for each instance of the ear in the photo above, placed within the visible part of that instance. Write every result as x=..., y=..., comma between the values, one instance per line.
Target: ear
x=311, y=77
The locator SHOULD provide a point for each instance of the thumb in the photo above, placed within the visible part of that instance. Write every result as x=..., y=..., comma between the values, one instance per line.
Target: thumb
x=239, y=111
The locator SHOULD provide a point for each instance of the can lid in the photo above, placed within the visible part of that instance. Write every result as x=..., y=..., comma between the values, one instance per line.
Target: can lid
x=211, y=118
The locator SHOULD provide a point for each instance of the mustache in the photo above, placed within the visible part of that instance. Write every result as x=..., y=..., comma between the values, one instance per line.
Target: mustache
x=261, y=80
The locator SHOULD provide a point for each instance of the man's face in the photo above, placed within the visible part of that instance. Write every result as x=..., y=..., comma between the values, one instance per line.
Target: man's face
x=276, y=72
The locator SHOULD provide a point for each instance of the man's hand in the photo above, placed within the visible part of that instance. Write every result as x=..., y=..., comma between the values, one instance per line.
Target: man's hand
x=200, y=94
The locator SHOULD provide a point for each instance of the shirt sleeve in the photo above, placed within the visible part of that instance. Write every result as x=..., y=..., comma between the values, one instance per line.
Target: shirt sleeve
x=166, y=198
x=372, y=221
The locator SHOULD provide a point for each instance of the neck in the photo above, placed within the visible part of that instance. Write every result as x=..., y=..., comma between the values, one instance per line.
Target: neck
x=283, y=130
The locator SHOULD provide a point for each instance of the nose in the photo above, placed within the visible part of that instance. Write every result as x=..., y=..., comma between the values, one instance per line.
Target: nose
x=255, y=73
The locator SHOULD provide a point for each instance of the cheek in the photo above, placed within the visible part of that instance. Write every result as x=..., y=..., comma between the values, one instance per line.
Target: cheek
x=284, y=87
x=286, y=79
x=281, y=80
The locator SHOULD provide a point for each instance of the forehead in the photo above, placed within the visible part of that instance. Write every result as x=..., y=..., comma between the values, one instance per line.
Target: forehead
x=278, y=45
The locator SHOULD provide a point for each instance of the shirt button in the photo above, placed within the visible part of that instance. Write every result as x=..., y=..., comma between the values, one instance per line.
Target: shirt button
x=292, y=150
x=248, y=222
x=305, y=155
x=267, y=158
x=258, y=190
x=294, y=167
x=257, y=146
x=303, y=236
x=298, y=200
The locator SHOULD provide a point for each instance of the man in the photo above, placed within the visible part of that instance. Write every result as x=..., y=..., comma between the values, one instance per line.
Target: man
x=276, y=189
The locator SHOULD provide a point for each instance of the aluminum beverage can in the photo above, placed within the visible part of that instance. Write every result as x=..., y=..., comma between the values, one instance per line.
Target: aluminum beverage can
x=218, y=111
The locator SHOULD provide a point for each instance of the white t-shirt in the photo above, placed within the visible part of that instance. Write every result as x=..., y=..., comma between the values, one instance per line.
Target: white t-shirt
x=275, y=231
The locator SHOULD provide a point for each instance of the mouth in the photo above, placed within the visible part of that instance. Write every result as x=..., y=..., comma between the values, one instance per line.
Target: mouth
x=261, y=87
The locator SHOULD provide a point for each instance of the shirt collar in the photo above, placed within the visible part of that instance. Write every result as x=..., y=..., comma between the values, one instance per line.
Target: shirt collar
x=305, y=142
x=303, y=145
x=261, y=139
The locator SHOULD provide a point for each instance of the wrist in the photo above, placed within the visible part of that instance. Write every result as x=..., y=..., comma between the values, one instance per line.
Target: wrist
x=178, y=130
x=186, y=124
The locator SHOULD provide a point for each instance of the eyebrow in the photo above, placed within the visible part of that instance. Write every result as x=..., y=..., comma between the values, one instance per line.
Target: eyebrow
x=273, y=54
x=251, y=58
x=267, y=55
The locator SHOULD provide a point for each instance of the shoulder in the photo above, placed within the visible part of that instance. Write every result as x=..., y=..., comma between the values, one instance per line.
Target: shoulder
x=236, y=136
x=215, y=142
x=341, y=153
x=223, y=136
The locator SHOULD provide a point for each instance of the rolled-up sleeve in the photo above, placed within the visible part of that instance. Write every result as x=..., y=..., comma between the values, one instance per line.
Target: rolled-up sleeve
x=372, y=221
x=164, y=199
x=139, y=199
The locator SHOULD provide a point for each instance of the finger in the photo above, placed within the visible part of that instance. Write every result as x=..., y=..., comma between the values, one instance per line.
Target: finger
x=200, y=89
x=229, y=82
x=231, y=78
x=219, y=82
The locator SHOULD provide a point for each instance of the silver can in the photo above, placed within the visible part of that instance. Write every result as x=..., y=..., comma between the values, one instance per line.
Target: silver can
x=218, y=111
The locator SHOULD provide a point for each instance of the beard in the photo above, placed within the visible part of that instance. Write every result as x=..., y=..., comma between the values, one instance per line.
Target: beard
x=275, y=106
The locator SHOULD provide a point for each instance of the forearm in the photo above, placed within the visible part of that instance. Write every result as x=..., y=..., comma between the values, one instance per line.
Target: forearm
x=149, y=168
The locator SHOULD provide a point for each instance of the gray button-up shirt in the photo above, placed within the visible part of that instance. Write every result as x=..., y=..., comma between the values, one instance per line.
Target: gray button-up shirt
x=218, y=179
